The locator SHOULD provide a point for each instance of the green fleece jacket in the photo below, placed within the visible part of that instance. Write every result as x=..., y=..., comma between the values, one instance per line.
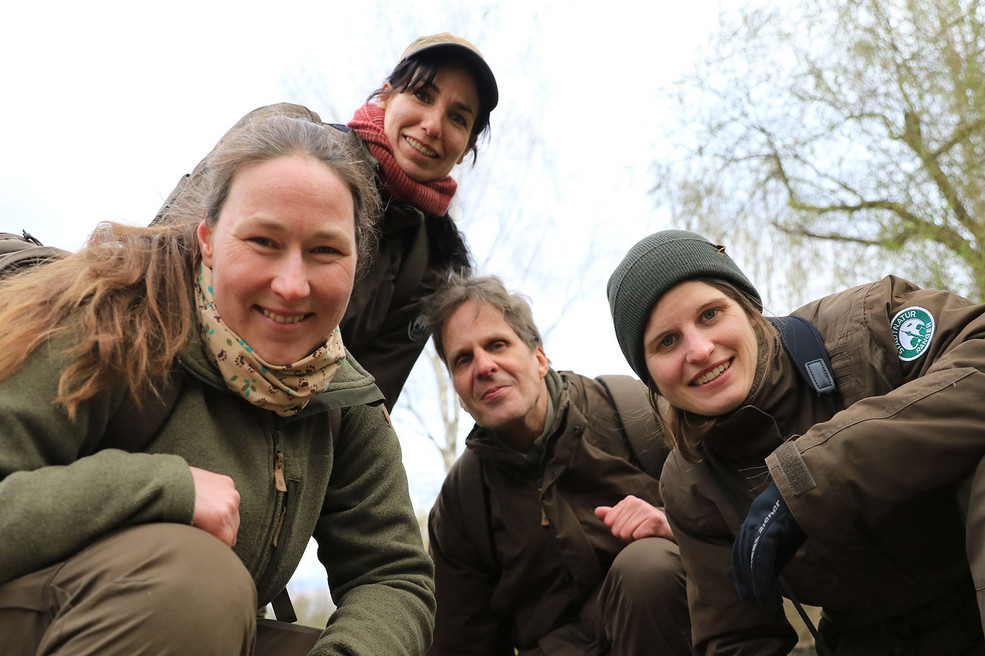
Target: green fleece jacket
x=59, y=492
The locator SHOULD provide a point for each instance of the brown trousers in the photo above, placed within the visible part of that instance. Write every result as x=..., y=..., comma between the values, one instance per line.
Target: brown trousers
x=151, y=589
x=640, y=610
x=643, y=601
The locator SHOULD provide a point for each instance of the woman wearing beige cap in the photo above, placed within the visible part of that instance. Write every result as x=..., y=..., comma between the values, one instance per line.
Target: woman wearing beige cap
x=423, y=121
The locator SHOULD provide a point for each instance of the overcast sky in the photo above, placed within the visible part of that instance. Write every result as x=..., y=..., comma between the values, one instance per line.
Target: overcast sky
x=106, y=104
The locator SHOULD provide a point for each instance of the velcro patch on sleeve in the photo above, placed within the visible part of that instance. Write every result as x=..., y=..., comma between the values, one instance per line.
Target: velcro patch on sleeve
x=794, y=468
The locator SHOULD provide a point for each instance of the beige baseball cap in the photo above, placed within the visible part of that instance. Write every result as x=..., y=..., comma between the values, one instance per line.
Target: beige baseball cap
x=456, y=45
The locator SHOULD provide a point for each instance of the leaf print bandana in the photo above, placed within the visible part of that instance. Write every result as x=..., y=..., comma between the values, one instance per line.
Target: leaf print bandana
x=283, y=389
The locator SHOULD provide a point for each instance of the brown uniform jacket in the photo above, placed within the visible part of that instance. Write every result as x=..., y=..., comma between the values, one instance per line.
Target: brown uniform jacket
x=872, y=486
x=550, y=551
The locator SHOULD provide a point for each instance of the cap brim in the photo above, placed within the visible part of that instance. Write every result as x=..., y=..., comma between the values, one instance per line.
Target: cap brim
x=485, y=79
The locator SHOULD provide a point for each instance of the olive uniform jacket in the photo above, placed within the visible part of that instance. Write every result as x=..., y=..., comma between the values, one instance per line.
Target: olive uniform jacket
x=296, y=479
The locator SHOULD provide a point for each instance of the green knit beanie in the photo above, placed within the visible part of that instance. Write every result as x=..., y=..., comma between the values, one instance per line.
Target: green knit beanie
x=650, y=269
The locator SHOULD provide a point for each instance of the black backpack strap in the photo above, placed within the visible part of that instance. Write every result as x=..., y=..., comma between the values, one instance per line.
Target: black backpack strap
x=283, y=608
x=805, y=346
x=637, y=420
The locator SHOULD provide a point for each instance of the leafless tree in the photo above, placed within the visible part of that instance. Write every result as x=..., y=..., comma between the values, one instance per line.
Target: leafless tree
x=843, y=140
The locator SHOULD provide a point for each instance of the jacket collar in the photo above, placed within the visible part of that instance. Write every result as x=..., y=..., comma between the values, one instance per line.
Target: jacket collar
x=753, y=430
x=352, y=385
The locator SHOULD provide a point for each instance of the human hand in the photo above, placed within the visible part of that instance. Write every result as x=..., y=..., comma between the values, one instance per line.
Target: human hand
x=767, y=540
x=633, y=518
x=216, y=505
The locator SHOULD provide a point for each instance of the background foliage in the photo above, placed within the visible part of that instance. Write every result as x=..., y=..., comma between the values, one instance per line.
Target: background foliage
x=839, y=141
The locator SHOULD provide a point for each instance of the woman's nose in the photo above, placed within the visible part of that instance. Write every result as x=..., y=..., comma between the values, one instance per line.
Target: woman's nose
x=290, y=281
x=699, y=348
x=431, y=122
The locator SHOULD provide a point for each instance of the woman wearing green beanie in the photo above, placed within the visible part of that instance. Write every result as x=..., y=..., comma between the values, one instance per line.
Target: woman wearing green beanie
x=859, y=498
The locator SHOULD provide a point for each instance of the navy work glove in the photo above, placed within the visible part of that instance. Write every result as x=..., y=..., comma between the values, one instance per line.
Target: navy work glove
x=767, y=540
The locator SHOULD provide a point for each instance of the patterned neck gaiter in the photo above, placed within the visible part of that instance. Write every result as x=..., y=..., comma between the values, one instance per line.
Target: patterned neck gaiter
x=282, y=389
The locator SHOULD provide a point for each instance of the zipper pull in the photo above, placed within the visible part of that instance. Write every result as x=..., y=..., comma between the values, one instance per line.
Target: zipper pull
x=280, y=525
x=543, y=518
x=279, y=481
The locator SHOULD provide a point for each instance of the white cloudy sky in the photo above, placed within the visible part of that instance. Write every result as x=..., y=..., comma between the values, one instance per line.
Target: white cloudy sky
x=106, y=104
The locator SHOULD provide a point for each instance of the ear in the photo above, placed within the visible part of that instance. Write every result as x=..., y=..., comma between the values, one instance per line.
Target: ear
x=384, y=97
x=542, y=364
x=468, y=148
x=205, y=243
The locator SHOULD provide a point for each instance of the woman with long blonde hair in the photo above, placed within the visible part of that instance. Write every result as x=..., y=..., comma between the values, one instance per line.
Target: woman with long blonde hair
x=179, y=416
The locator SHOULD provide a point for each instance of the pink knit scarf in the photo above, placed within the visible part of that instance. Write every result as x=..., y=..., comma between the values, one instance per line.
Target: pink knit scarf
x=432, y=198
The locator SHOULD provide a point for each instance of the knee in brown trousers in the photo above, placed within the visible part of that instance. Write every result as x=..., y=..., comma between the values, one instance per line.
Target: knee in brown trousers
x=150, y=589
x=643, y=601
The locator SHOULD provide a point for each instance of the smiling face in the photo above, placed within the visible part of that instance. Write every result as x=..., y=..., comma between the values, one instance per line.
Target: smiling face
x=430, y=128
x=283, y=255
x=499, y=379
x=700, y=349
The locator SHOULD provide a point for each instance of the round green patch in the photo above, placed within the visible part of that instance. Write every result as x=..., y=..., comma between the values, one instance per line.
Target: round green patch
x=912, y=329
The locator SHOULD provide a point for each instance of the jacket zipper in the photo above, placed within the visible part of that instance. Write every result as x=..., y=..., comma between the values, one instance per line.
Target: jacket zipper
x=281, y=486
x=279, y=513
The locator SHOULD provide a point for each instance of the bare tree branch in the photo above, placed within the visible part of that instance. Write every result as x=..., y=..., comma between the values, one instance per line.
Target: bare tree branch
x=852, y=123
